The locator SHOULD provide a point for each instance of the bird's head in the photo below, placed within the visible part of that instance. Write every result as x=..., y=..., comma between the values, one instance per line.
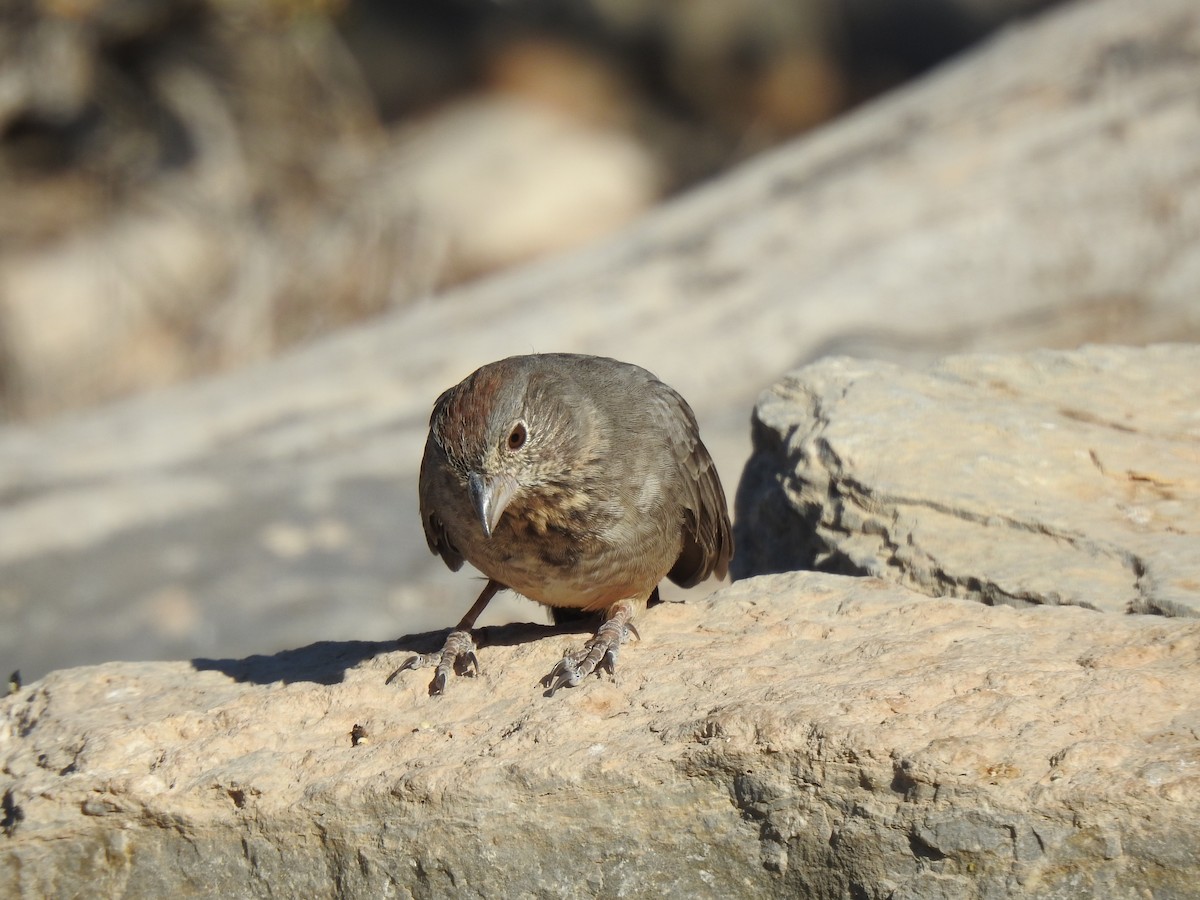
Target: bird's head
x=509, y=435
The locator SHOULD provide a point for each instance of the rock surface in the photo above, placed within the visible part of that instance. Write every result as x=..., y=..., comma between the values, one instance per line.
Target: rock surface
x=1045, y=478
x=794, y=735
x=1045, y=189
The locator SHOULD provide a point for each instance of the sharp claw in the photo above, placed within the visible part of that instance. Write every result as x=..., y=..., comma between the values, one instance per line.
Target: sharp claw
x=564, y=674
x=465, y=663
x=549, y=678
x=598, y=655
x=570, y=679
x=561, y=677
x=608, y=663
x=413, y=662
x=458, y=655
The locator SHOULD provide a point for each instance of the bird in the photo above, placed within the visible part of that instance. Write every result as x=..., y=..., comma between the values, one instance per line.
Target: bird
x=580, y=482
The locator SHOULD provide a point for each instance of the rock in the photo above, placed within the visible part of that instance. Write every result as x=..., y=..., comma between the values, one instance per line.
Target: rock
x=277, y=506
x=495, y=181
x=793, y=735
x=1042, y=478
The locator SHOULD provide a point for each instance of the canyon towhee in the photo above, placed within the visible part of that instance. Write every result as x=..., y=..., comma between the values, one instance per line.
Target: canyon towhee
x=577, y=481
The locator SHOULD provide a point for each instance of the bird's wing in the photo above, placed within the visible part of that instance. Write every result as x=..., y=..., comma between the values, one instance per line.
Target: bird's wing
x=707, y=535
x=435, y=530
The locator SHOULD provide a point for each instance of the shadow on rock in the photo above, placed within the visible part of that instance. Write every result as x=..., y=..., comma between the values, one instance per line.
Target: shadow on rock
x=327, y=662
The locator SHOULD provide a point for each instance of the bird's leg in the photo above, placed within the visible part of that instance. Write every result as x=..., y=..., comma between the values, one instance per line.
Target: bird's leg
x=458, y=653
x=597, y=655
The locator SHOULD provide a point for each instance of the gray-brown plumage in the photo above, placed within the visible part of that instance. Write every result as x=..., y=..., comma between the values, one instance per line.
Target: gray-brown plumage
x=577, y=481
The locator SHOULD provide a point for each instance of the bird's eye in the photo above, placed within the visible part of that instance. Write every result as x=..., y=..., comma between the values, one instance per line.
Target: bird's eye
x=517, y=437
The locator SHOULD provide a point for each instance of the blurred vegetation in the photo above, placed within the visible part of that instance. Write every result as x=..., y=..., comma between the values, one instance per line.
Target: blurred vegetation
x=200, y=183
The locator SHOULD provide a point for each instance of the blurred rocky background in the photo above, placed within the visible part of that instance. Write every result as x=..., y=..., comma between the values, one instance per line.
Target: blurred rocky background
x=187, y=186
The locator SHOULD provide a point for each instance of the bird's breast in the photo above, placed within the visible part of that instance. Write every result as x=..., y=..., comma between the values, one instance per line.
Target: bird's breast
x=582, y=559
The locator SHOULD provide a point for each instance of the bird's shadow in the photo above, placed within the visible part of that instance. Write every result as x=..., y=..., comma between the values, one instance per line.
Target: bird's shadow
x=327, y=662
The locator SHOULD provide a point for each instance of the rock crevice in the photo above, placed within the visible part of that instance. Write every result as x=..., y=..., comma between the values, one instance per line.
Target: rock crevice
x=968, y=479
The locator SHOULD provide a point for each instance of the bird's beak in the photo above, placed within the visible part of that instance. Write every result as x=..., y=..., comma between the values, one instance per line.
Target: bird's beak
x=490, y=496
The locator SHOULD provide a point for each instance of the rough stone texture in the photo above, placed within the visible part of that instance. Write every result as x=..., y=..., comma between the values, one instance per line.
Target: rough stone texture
x=1045, y=189
x=1050, y=477
x=793, y=735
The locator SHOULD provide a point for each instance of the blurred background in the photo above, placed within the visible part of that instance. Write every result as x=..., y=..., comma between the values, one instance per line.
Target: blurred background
x=187, y=186
x=244, y=244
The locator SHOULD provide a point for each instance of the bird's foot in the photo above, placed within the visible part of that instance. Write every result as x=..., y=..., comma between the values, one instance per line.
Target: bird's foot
x=597, y=655
x=458, y=656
